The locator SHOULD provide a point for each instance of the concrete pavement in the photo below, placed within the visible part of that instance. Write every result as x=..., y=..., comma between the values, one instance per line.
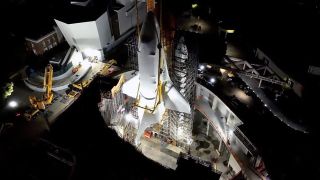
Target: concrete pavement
x=152, y=149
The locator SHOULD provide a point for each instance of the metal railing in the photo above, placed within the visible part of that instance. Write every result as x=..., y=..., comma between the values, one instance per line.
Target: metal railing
x=246, y=142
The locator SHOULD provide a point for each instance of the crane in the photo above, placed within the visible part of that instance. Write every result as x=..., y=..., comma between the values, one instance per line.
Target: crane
x=150, y=5
x=40, y=104
x=228, y=70
x=47, y=84
x=105, y=69
x=117, y=88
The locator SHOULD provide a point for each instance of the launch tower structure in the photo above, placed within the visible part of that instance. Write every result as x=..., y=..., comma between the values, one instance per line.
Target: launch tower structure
x=183, y=73
x=132, y=48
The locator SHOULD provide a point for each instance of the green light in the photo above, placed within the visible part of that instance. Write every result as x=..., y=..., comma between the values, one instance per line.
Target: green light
x=194, y=5
x=8, y=89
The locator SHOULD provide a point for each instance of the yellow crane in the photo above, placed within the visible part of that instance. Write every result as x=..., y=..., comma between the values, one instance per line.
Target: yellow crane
x=40, y=104
x=105, y=69
x=47, y=84
x=117, y=87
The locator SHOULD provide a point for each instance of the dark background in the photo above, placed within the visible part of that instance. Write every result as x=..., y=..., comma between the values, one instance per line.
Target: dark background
x=288, y=31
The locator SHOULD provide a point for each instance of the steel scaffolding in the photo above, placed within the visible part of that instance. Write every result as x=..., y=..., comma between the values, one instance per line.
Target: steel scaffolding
x=183, y=74
x=114, y=110
x=110, y=107
x=164, y=130
x=132, y=45
x=129, y=133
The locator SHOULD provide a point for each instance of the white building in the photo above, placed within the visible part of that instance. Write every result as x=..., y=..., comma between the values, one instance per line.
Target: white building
x=92, y=29
x=88, y=34
x=125, y=16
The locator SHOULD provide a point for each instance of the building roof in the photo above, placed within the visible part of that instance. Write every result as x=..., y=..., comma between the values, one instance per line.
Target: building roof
x=76, y=14
x=39, y=28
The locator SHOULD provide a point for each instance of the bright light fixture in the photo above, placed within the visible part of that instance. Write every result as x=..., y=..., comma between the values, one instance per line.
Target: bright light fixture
x=195, y=5
x=202, y=67
x=13, y=104
x=222, y=71
x=230, y=31
x=212, y=80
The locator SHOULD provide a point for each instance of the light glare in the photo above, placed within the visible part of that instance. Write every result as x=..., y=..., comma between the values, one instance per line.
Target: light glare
x=194, y=5
x=202, y=67
x=230, y=31
x=13, y=104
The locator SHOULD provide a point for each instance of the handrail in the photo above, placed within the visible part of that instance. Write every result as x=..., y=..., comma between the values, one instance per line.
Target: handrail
x=245, y=140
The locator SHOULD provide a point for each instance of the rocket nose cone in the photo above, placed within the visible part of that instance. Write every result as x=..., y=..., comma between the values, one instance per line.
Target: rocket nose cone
x=148, y=31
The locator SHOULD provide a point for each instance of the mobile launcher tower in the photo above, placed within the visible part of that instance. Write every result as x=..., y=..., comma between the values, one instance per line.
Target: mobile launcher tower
x=148, y=100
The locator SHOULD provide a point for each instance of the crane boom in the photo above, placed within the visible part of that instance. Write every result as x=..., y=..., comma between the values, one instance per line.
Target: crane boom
x=252, y=75
x=117, y=88
x=40, y=104
x=150, y=5
x=47, y=84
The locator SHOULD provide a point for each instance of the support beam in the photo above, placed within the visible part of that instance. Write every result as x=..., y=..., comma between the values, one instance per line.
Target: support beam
x=214, y=103
x=220, y=146
x=208, y=128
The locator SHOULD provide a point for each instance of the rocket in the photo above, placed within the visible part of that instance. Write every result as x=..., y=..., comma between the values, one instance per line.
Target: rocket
x=152, y=87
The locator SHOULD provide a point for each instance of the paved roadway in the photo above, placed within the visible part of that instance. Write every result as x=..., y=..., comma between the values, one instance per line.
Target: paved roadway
x=164, y=154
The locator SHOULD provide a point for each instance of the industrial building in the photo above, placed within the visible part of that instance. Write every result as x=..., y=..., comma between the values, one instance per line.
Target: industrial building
x=89, y=36
x=125, y=15
x=40, y=42
x=92, y=30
